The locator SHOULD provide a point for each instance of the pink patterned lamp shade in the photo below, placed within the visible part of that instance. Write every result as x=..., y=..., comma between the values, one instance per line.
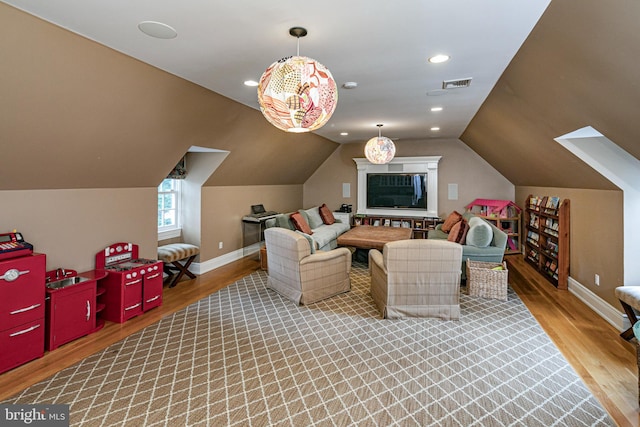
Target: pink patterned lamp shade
x=297, y=94
x=380, y=149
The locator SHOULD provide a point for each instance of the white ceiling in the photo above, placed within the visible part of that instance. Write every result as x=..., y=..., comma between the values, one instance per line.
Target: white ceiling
x=381, y=45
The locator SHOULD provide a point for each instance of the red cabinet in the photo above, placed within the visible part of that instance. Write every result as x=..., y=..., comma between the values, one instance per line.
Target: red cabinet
x=71, y=313
x=22, y=310
x=122, y=297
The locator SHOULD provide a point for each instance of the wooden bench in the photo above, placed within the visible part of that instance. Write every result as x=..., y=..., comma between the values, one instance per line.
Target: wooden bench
x=629, y=297
x=177, y=257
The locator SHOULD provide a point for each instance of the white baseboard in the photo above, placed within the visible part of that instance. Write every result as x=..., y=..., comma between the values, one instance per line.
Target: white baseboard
x=605, y=310
x=204, y=267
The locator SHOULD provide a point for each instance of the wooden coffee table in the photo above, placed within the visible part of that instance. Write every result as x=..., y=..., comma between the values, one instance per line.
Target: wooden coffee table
x=365, y=237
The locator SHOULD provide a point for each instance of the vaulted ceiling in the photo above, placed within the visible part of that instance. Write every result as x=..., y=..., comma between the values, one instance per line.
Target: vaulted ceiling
x=70, y=104
x=383, y=46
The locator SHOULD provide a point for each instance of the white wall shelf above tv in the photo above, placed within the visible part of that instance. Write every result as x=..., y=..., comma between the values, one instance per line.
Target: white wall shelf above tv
x=427, y=165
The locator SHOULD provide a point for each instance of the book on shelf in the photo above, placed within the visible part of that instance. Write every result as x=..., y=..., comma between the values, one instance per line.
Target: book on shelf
x=535, y=202
x=512, y=244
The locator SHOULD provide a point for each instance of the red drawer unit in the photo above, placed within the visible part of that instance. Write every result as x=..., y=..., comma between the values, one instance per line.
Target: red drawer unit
x=133, y=285
x=21, y=344
x=22, y=310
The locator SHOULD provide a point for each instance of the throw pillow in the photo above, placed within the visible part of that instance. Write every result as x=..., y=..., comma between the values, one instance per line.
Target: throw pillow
x=326, y=215
x=480, y=233
x=453, y=218
x=300, y=223
x=458, y=232
x=313, y=215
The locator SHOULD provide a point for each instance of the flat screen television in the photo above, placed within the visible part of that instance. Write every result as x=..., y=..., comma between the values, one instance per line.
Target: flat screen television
x=397, y=191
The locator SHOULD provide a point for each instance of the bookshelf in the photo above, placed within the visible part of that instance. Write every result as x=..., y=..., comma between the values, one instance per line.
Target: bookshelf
x=547, y=237
x=420, y=226
x=505, y=215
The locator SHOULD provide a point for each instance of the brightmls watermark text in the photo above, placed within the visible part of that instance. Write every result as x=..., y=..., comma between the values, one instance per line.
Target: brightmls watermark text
x=34, y=415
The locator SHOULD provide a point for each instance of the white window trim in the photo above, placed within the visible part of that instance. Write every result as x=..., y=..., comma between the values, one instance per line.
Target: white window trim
x=170, y=232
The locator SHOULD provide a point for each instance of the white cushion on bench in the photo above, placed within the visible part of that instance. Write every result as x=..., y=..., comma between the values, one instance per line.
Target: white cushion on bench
x=630, y=295
x=177, y=251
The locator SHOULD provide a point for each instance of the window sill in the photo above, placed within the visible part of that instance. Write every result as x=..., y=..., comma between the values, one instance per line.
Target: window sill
x=169, y=234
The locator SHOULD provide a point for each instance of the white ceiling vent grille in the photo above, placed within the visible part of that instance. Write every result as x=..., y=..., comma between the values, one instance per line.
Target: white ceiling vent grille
x=456, y=84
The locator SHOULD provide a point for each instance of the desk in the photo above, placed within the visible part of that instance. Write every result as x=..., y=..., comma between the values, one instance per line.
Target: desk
x=253, y=230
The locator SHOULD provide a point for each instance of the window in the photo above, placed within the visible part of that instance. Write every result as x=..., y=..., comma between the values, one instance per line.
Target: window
x=169, y=208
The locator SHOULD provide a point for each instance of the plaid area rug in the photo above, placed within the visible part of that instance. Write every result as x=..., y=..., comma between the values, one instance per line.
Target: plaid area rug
x=245, y=356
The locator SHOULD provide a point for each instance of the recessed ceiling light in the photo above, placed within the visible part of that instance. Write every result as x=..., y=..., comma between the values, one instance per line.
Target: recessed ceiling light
x=435, y=129
x=157, y=30
x=437, y=59
x=350, y=85
x=434, y=109
x=251, y=83
x=344, y=133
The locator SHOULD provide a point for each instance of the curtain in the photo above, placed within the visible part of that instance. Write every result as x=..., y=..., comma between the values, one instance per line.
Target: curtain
x=180, y=170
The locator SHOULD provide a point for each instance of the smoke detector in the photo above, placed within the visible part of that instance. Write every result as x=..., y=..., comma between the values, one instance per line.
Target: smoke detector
x=457, y=83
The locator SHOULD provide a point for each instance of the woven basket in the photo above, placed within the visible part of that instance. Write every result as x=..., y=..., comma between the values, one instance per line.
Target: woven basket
x=484, y=282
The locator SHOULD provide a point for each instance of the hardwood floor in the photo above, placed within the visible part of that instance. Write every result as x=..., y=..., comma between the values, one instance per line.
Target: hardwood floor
x=605, y=361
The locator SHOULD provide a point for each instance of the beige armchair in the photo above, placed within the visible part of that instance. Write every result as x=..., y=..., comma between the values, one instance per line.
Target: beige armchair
x=417, y=278
x=299, y=275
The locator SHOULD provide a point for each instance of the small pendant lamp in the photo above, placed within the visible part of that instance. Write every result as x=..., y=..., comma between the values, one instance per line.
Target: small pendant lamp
x=297, y=94
x=380, y=149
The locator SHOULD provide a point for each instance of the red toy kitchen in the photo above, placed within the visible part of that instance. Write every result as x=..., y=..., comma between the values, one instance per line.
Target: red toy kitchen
x=42, y=310
x=133, y=285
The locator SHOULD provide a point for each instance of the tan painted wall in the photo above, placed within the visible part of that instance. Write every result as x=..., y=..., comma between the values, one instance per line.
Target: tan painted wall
x=85, y=116
x=459, y=165
x=596, y=236
x=575, y=69
x=224, y=207
x=71, y=226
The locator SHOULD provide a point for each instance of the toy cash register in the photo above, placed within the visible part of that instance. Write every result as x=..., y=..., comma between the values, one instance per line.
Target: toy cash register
x=12, y=245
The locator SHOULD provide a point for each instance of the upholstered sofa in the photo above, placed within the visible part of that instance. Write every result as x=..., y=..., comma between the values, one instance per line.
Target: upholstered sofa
x=322, y=237
x=481, y=243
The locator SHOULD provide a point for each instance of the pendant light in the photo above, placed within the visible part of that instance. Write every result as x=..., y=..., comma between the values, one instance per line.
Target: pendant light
x=380, y=150
x=297, y=94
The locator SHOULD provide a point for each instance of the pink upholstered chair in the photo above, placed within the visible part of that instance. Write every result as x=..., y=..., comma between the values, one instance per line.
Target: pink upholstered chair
x=302, y=276
x=417, y=278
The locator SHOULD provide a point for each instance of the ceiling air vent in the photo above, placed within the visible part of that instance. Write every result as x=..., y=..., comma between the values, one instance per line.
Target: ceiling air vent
x=456, y=84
